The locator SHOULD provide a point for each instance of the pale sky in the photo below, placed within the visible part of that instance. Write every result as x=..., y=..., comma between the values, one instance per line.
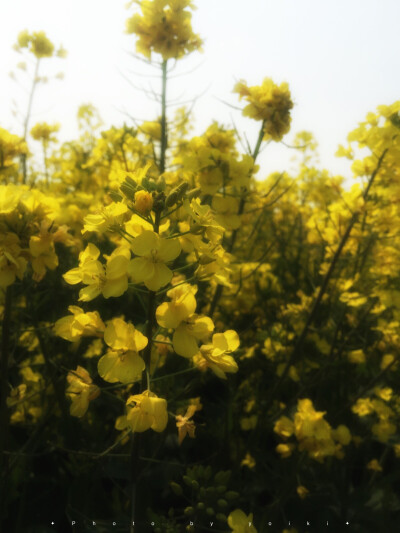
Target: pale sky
x=340, y=58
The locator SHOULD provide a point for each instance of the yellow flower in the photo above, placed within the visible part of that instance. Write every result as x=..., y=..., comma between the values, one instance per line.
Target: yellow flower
x=11, y=146
x=111, y=216
x=226, y=209
x=302, y=492
x=165, y=28
x=363, y=407
x=184, y=425
x=284, y=427
x=239, y=522
x=44, y=132
x=79, y=324
x=285, y=450
x=310, y=423
x=40, y=44
x=43, y=254
x=12, y=264
x=385, y=393
x=153, y=251
x=81, y=391
x=217, y=355
x=203, y=220
x=111, y=281
x=122, y=363
x=374, y=465
x=383, y=430
x=270, y=103
x=356, y=357
x=146, y=411
x=179, y=315
x=248, y=461
x=312, y=431
x=342, y=435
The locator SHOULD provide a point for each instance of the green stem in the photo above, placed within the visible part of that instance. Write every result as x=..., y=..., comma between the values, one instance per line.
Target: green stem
x=46, y=170
x=136, y=437
x=220, y=288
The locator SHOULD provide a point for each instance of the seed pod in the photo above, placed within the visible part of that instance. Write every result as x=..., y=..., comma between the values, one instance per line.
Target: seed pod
x=161, y=185
x=221, y=489
x=188, y=511
x=222, y=503
x=195, y=484
x=206, y=259
x=193, y=193
x=115, y=197
x=200, y=506
x=221, y=517
x=231, y=495
x=159, y=202
x=131, y=182
x=128, y=191
x=222, y=477
x=176, y=488
x=211, y=492
x=208, y=472
x=182, y=188
x=210, y=511
x=187, y=480
x=171, y=199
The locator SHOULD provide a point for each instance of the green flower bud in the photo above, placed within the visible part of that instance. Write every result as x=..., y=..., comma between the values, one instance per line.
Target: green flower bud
x=187, y=480
x=176, y=488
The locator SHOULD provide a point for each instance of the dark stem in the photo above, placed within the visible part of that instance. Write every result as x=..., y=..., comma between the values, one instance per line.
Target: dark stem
x=315, y=308
x=229, y=249
x=4, y=413
x=136, y=437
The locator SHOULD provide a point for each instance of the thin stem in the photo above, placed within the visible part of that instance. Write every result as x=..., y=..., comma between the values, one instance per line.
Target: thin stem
x=164, y=139
x=28, y=116
x=46, y=170
x=136, y=438
x=220, y=288
x=315, y=308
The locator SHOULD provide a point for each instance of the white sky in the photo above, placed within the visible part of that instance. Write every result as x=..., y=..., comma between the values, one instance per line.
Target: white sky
x=340, y=58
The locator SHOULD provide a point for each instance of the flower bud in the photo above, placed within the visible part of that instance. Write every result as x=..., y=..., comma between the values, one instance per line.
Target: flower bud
x=143, y=202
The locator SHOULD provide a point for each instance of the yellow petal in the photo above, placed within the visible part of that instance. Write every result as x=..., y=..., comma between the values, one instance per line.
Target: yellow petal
x=184, y=343
x=117, y=266
x=113, y=367
x=73, y=276
x=141, y=269
x=115, y=287
x=162, y=275
x=89, y=293
x=169, y=249
x=145, y=243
